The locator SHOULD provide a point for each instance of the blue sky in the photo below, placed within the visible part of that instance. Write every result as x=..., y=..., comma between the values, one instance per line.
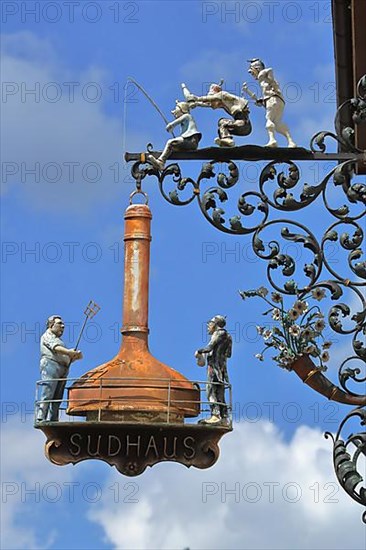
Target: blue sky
x=64, y=191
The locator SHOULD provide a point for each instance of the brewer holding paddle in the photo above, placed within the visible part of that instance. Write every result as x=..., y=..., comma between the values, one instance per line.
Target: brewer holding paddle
x=56, y=359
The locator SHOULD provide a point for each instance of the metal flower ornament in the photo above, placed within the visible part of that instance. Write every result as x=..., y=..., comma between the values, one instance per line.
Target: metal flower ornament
x=298, y=330
x=296, y=335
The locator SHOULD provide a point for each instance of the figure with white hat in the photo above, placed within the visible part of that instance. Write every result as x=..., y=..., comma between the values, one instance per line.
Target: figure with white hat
x=272, y=100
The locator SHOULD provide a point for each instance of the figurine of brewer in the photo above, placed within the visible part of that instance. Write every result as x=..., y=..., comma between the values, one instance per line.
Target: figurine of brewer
x=217, y=351
x=236, y=107
x=188, y=139
x=272, y=100
x=54, y=366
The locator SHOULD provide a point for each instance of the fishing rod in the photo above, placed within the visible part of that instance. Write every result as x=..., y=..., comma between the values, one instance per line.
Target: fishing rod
x=130, y=79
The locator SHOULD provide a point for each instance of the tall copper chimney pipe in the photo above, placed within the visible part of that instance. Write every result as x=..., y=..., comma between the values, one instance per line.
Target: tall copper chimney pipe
x=134, y=386
x=137, y=267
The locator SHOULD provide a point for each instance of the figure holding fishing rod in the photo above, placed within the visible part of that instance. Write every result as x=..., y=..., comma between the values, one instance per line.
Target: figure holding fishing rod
x=55, y=362
x=189, y=137
x=187, y=141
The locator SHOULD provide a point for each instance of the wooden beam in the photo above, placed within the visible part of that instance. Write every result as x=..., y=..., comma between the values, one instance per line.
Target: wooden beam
x=359, y=59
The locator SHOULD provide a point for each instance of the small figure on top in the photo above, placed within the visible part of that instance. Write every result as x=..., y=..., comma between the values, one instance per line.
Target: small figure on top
x=217, y=351
x=188, y=139
x=272, y=100
x=236, y=107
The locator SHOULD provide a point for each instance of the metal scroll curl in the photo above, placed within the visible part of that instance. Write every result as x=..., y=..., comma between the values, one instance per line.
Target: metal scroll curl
x=181, y=184
x=283, y=198
x=345, y=136
x=346, y=458
x=212, y=199
x=348, y=372
x=340, y=311
x=317, y=142
x=339, y=176
x=347, y=236
x=355, y=193
x=279, y=259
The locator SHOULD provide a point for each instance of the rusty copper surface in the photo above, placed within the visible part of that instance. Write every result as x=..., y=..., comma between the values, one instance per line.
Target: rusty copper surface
x=134, y=386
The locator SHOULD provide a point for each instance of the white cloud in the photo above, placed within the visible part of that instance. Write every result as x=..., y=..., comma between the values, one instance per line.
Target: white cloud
x=181, y=508
x=61, y=131
x=25, y=473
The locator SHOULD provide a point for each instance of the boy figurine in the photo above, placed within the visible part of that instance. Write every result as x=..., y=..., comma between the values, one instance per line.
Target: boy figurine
x=188, y=139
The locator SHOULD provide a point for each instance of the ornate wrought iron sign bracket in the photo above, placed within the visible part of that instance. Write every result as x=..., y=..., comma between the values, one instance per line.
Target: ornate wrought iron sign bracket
x=280, y=190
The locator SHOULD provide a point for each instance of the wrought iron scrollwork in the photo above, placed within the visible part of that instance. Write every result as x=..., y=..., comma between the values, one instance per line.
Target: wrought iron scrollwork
x=345, y=136
x=347, y=373
x=346, y=459
x=231, y=206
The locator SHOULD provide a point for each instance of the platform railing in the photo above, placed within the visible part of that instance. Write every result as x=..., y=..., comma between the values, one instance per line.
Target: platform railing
x=204, y=410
